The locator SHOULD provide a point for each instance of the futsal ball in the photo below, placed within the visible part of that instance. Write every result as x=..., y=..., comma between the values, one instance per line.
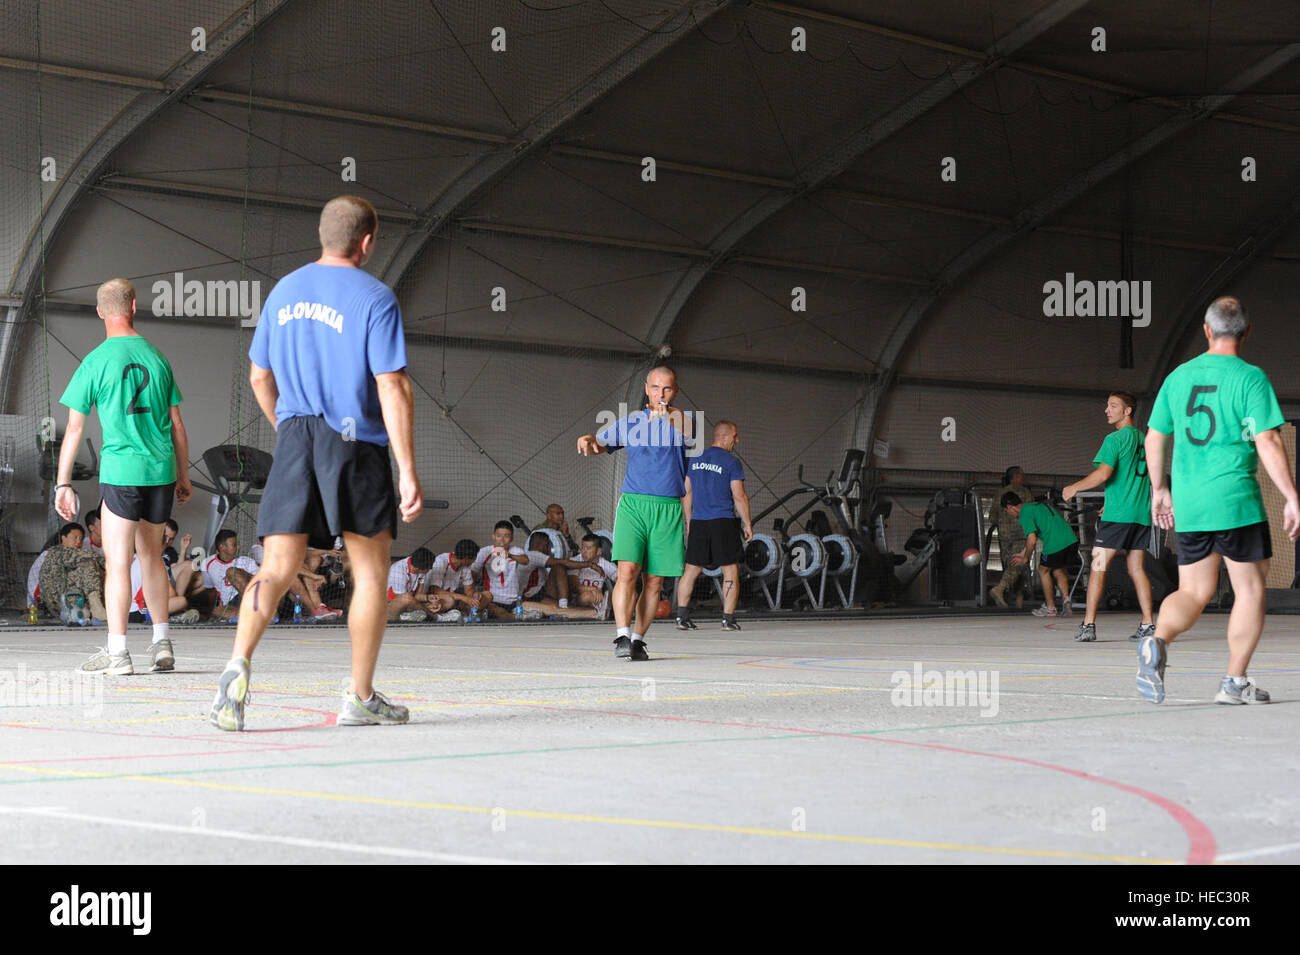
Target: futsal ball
x=971, y=558
x=499, y=564
x=665, y=609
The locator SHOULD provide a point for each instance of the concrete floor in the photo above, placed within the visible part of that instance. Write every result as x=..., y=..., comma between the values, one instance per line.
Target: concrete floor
x=786, y=742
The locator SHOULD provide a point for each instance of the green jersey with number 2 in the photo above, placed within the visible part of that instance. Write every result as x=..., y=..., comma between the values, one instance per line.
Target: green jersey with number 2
x=130, y=382
x=1128, y=492
x=1214, y=405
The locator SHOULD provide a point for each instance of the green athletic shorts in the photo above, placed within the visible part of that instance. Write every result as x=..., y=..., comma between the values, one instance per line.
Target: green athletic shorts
x=648, y=531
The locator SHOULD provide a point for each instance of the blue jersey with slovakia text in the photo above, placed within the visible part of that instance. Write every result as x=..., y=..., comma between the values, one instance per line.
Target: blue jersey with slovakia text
x=325, y=332
x=711, y=475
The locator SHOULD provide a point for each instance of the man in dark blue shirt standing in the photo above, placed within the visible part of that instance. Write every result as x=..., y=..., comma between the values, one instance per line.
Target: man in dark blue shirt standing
x=715, y=496
x=329, y=371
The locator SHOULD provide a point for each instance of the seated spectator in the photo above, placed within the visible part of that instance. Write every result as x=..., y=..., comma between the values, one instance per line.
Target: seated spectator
x=591, y=584
x=71, y=536
x=407, y=598
x=498, y=564
x=228, y=574
x=178, y=609
x=555, y=521
x=451, y=577
x=72, y=569
x=546, y=577
x=94, y=532
x=185, y=579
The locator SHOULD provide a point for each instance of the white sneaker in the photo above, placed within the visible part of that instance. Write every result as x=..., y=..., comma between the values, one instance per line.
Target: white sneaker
x=451, y=616
x=413, y=616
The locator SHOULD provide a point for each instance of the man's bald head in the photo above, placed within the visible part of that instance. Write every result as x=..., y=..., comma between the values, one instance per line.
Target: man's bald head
x=116, y=299
x=725, y=434
x=344, y=222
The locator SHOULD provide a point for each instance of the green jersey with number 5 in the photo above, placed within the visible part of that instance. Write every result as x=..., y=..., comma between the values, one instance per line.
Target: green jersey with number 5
x=131, y=383
x=1214, y=405
x=1128, y=492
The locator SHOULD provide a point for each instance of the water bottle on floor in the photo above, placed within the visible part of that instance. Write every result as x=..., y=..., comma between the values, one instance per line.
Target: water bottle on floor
x=297, y=610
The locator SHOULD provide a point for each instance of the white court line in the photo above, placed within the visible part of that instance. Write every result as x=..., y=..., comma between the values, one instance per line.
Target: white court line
x=58, y=813
x=1255, y=853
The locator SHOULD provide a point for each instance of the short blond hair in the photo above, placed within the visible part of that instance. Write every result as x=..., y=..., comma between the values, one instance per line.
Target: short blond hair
x=344, y=222
x=114, y=298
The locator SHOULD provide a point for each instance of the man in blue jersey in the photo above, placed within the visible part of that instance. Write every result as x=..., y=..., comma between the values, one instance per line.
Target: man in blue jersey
x=648, y=525
x=329, y=371
x=715, y=497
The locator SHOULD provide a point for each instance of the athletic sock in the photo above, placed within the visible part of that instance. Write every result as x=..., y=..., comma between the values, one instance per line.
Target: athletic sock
x=636, y=637
x=624, y=631
x=683, y=611
x=117, y=643
x=1238, y=680
x=564, y=603
x=159, y=632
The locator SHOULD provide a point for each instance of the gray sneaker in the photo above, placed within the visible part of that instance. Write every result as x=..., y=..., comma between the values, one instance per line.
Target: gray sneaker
x=414, y=616
x=1087, y=633
x=186, y=616
x=1066, y=610
x=376, y=711
x=109, y=664
x=232, y=693
x=1144, y=630
x=1044, y=611
x=1229, y=692
x=162, y=656
x=450, y=616
x=1152, y=657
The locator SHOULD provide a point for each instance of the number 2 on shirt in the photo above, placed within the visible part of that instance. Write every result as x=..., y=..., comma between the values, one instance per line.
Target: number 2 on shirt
x=1194, y=409
x=132, y=407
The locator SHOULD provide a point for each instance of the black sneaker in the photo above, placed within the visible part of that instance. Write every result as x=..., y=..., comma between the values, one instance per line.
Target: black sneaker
x=623, y=648
x=1087, y=633
x=686, y=623
x=638, y=650
x=729, y=624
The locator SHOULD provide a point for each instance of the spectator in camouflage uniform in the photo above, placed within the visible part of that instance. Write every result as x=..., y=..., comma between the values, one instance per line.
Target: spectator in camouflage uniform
x=1011, y=538
x=73, y=568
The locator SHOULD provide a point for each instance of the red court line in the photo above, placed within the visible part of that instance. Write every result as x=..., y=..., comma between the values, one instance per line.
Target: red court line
x=1201, y=845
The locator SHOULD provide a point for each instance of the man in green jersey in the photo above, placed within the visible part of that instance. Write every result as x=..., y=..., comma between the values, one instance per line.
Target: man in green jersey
x=1126, y=515
x=1059, y=545
x=1224, y=417
x=145, y=462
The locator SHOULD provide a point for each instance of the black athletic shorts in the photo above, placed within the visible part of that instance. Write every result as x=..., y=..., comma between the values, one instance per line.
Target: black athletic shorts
x=1114, y=535
x=1061, y=558
x=715, y=543
x=1243, y=544
x=151, y=503
x=322, y=485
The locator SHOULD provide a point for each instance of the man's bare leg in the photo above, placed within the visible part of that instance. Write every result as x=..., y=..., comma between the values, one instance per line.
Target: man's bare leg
x=624, y=597
x=370, y=560
x=1101, y=558
x=153, y=574
x=119, y=545
x=648, y=604
x=686, y=585
x=1181, y=609
x=262, y=593
x=730, y=588
x=1246, y=622
x=1137, y=569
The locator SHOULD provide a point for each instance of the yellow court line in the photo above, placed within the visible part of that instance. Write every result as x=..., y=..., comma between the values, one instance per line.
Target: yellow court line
x=613, y=820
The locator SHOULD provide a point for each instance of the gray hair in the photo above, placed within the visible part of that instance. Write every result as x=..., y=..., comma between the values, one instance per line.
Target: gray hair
x=1227, y=318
